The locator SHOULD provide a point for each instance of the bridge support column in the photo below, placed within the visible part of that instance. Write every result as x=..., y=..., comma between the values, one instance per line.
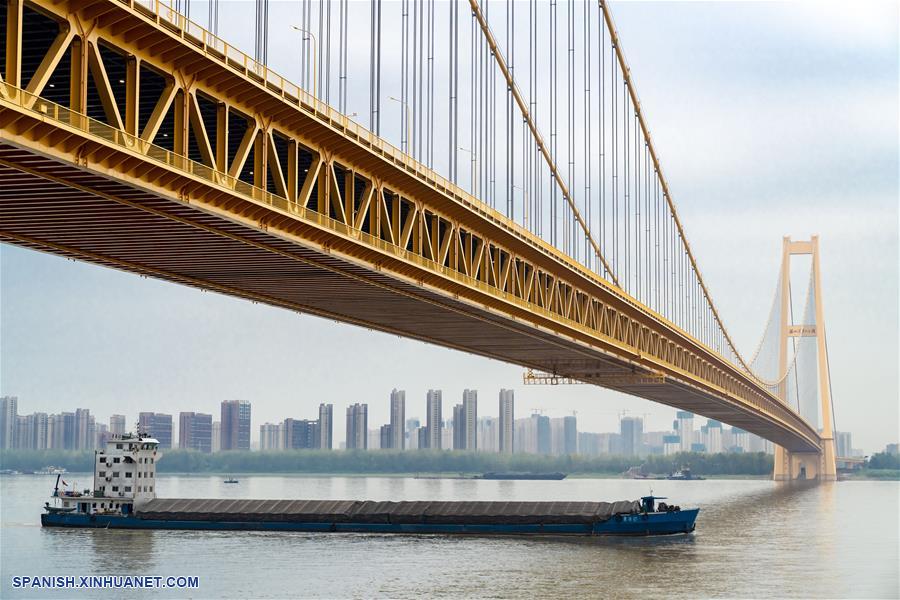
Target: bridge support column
x=791, y=466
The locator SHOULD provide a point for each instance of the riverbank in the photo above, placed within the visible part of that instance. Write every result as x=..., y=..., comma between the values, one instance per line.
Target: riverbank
x=430, y=462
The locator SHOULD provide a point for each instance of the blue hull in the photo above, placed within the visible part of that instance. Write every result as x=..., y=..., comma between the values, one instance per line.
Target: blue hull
x=632, y=525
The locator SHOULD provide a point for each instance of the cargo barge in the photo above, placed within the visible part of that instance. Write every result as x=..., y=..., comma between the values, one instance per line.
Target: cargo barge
x=503, y=475
x=124, y=497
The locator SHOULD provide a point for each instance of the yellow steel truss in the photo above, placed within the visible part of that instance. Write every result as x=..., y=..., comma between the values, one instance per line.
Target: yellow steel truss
x=360, y=200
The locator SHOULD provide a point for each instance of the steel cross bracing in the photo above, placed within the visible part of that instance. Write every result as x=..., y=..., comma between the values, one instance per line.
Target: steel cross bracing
x=135, y=139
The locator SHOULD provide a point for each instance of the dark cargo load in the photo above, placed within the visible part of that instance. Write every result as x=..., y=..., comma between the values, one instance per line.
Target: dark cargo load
x=355, y=511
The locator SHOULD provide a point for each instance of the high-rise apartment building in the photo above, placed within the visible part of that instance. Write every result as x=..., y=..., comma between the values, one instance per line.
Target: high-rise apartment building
x=412, y=433
x=433, y=419
x=117, y=425
x=398, y=420
x=507, y=421
x=85, y=430
x=671, y=444
x=195, y=431
x=684, y=427
x=740, y=440
x=55, y=430
x=41, y=431
x=270, y=436
x=593, y=444
x=386, y=436
x=488, y=434
x=300, y=434
x=23, y=433
x=533, y=435
x=714, y=436
x=235, y=425
x=563, y=436
x=631, y=430
x=9, y=410
x=447, y=434
x=216, y=436
x=101, y=436
x=843, y=445
x=157, y=425
x=469, y=436
x=459, y=428
x=326, y=426
x=422, y=434
x=357, y=427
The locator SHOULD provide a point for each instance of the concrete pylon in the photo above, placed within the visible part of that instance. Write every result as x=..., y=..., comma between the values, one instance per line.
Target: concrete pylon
x=805, y=465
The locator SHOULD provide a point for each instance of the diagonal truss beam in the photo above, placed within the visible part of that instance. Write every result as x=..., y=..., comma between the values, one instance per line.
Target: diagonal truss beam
x=626, y=73
x=514, y=90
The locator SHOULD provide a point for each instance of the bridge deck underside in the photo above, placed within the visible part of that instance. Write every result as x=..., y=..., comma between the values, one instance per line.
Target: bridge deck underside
x=55, y=207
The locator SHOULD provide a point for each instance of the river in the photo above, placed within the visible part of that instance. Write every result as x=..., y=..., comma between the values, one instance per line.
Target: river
x=754, y=539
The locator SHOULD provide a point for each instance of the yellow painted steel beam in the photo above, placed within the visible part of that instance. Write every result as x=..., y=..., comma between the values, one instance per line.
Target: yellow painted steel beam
x=531, y=377
x=555, y=296
x=630, y=334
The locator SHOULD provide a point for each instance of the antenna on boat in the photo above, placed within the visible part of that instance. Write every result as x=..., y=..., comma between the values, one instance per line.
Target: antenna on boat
x=56, y=487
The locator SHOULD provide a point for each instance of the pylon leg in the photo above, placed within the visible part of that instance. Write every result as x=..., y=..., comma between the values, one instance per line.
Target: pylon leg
x=806, y=465
x=793, y=466
x=828, y=466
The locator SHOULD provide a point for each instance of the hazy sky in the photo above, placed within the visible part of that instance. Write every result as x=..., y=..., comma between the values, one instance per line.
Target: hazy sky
x=770, y=119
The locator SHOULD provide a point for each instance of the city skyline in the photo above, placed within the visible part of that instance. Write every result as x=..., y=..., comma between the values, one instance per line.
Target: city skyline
x=533, y=434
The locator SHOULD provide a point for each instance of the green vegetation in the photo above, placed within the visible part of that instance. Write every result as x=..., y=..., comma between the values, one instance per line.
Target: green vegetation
x=880, y=466
x=887, y=474
x=395, y=462
x=883, y=460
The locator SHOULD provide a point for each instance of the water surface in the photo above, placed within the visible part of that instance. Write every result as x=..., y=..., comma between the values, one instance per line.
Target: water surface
x=754, y=539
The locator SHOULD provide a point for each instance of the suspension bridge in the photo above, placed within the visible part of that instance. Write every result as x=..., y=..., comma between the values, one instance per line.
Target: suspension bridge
x=135, y=138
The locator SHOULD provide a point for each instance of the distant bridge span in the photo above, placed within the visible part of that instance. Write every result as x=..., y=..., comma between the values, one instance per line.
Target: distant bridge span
x=331, y=220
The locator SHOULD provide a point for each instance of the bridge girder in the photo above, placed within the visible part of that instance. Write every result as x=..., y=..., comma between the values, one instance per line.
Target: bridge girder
x=284, y=182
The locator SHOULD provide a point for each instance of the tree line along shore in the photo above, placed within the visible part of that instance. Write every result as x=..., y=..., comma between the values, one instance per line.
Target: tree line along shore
x=389, y=461
x=361, y=462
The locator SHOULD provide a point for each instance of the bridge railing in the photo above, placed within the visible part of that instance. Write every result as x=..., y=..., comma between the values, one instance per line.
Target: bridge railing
x=48, y=110
x=165, y=16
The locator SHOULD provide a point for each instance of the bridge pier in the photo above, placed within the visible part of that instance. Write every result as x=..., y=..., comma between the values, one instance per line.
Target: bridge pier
x=790, y=466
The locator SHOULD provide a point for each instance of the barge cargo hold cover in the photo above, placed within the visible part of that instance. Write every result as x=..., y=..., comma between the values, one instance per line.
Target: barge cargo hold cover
x=371, y=512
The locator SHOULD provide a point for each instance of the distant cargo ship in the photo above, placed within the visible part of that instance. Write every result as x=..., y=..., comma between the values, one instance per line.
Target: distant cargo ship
x=124, y=497
x=513, y=475
x=684, y=475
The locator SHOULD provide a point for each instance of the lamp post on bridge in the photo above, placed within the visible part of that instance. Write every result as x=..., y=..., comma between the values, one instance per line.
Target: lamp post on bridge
x=409, y=144
x=315, y=46
x=474, y=163
x=524, y=204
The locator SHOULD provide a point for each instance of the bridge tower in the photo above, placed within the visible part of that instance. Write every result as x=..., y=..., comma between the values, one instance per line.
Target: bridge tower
x=803, y=465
